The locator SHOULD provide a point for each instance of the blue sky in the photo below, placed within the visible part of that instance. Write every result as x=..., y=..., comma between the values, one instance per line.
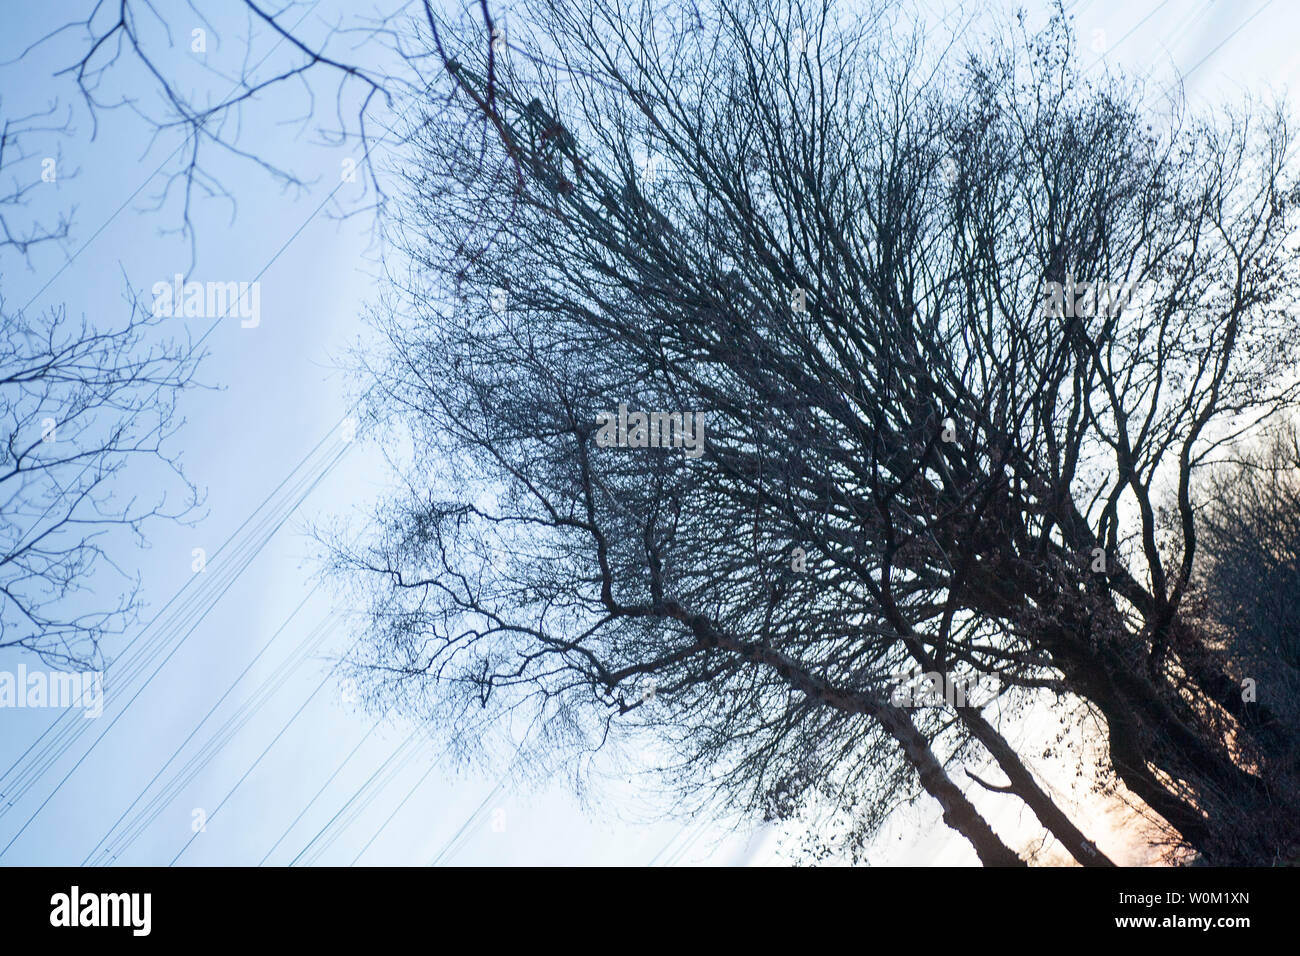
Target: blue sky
x=280, y=392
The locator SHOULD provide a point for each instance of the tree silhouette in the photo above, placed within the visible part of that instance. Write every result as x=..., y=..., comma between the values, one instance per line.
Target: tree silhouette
x=951, y=328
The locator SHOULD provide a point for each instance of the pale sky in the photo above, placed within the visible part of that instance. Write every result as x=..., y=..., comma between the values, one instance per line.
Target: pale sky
x=280, y=394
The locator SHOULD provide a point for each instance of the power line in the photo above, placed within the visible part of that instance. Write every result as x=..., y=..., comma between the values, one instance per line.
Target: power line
x=352, y=798
x=135, y=666
x=65, y=716
x=444, y=852
x=289, y=723
x=170, y=654
x=217, y=741
x=383, y=826
x=363, y=803
x=316, y=796
x=279, y=252
x=447, y=850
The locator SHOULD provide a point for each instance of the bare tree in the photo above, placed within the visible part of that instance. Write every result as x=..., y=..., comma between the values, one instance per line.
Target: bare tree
x=79, y=406
x=86, y=405
x=834, y=246
x=20, y=230
x=197, y=91
x=917, y=454
x=1245, y=593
